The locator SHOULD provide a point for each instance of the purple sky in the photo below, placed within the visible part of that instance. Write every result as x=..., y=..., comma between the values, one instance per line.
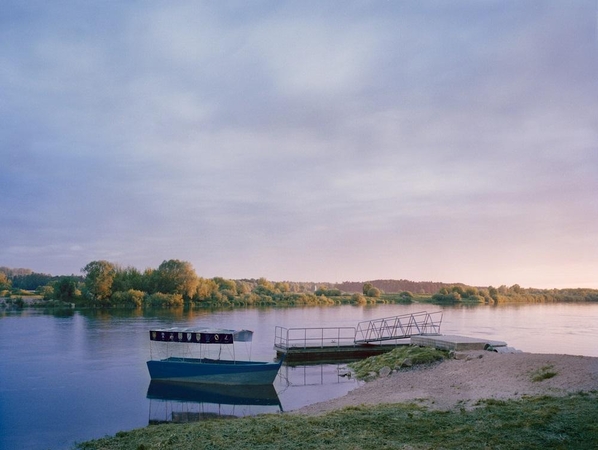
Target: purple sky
x=304, y=141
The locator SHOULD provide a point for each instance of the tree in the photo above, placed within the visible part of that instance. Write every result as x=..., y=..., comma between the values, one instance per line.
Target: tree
x=471, y=291
x=374, y=292
x=243, y=287
x=516, y=289
x=205, y=289
x=176, y=277
x=226, y=285
x=493, y=292
x=47, y=291
x=265, y=283
x=265, y=288
x=282, y=287
x=459, y=290
x=99, y=276
x=4, y=281
x=65, y=289
x=127, y=278
x=366, y=288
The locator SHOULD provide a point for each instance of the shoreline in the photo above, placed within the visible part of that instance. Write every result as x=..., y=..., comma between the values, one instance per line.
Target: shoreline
x=471, y=377
x=556, y=402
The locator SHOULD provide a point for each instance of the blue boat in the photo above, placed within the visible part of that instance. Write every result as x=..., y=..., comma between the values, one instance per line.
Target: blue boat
x=188, y=366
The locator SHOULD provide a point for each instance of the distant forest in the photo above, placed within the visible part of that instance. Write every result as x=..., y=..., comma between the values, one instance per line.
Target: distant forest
x=415, y=287
x=27, y=279
x=175, y=284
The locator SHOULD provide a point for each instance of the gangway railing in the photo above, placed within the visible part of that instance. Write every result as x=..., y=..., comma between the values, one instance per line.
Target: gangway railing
x=328, y=337
x=398, y=327
x=376, y=330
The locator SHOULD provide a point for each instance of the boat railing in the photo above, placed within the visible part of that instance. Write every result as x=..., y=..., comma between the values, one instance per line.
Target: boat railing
x=286, y=338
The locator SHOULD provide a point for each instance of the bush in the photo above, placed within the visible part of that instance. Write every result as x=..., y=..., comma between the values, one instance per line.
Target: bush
x=131, y=298
x=328, y=292
x=18, y=302
x=359, y=299
x=374, y=292
x=160, y=300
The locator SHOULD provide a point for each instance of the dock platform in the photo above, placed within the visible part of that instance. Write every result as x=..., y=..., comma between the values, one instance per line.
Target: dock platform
x=370, y=338
x=334, y=353
x=457, y=343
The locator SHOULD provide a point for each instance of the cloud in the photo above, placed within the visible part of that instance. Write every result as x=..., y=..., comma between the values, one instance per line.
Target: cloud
x=302, y=141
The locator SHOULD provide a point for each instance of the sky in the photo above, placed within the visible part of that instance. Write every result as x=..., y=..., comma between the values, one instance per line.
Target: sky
x=330, y=141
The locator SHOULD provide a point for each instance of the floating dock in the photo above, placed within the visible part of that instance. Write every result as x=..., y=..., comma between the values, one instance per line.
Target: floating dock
x=370, y=338
x=341, y=353
x=457, y=343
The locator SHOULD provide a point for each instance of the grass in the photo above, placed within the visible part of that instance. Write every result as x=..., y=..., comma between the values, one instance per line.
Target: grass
x=543, y=373
x=396, y=359
x=531, y=423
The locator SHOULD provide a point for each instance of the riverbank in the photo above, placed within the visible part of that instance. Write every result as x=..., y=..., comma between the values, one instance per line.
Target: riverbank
x=530, y=400
x=471, y=377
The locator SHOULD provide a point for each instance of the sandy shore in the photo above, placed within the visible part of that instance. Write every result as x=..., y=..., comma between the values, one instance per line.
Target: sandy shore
x=470, y=377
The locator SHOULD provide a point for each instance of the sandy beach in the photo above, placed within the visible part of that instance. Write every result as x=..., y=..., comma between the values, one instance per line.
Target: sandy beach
x=472, y=376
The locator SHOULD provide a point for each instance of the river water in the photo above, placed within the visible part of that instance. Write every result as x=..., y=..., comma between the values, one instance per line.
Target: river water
x=79, y=375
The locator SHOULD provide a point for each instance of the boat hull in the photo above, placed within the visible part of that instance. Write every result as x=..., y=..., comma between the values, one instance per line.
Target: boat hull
x=192, y=370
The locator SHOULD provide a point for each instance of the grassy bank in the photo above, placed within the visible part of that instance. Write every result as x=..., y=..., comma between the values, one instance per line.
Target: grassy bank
x=531, y=423
x=400, y=357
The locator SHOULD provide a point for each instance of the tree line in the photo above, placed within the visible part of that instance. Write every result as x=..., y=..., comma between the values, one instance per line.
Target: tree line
x=175, y=283
x=512, y=294
x=415, y=287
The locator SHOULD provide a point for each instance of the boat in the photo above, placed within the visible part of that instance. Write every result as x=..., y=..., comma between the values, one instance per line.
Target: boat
x=189, y=357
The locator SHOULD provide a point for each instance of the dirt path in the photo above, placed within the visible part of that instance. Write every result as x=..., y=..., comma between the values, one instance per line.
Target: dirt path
x=471, y=377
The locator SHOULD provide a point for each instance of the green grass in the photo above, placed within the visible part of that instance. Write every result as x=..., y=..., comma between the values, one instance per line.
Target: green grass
x=531, y=423
x=397, y=359
x=543, y=373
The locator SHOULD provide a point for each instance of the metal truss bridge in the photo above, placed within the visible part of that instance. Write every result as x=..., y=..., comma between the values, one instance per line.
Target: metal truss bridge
x=398, y=327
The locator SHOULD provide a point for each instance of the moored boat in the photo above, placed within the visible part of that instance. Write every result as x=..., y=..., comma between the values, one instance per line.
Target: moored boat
x=190, y=366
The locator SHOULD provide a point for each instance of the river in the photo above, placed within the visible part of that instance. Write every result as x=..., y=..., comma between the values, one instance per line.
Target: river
x=78, y=375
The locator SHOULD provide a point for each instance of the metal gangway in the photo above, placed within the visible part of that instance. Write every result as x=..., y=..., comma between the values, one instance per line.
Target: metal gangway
x=313, y=337
x=398, y=327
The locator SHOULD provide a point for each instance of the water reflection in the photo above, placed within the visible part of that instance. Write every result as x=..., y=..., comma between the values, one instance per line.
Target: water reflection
x=188, y=402
x=303, y=385
x=295, y=385
x=316, y=374
x=86, y=370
